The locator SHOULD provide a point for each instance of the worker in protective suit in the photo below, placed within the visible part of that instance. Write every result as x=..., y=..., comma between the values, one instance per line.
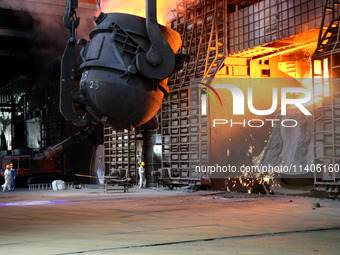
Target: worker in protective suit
x=142, y=177
x=13, y=176
x=7, y=176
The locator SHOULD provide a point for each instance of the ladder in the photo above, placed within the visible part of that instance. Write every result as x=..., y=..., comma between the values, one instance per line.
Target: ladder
x=326, y=107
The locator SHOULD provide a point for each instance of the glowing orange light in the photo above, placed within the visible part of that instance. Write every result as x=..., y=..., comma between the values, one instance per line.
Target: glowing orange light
x=137, y=7
x=321, y=85
x=89, y=1
x=321, y=82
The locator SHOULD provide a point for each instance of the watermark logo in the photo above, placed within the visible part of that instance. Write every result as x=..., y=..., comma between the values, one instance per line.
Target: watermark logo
x=279, y=97
x=206, y=90
x=239, y=101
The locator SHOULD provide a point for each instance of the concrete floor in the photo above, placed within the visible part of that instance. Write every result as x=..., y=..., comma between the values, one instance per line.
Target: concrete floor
x=161, y=221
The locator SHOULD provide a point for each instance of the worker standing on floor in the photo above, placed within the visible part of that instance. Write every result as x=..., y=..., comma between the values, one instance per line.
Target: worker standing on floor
x=7, y=176
x=13, y=176
x=142, y=177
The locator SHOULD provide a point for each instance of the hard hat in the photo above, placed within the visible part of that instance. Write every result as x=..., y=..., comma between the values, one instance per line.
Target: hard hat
x=142, y=164
x=8, y=167
x=11, y=164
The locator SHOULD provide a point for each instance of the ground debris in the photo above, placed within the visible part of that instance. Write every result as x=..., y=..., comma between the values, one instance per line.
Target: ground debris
x=243, y=195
